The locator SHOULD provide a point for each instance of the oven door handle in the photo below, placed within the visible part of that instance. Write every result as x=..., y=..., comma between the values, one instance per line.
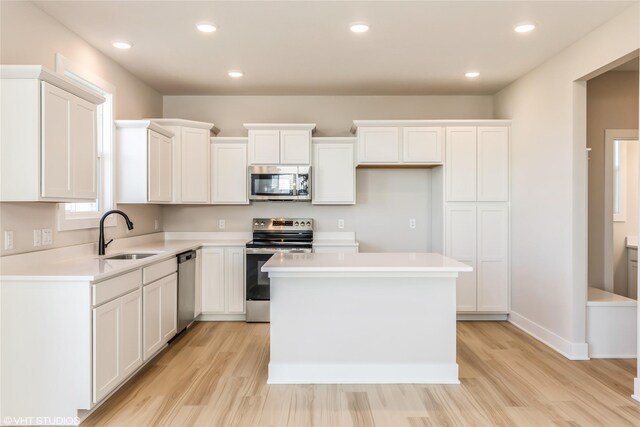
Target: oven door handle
x=271, y=251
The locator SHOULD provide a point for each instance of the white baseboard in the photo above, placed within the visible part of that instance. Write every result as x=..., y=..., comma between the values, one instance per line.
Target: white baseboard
x=363, y=374
x=481, y=317
x=636, y=389
x=570, y=350
x=204, y=317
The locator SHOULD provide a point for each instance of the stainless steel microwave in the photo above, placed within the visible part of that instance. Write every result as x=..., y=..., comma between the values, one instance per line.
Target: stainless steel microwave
x=280, y=183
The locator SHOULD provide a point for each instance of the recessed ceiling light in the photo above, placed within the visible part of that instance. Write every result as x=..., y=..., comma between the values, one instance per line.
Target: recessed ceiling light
x=120, y=44
x=472, y=74
x=359, y=28
x=206, y=27
x=235, y=74
x=524, y=28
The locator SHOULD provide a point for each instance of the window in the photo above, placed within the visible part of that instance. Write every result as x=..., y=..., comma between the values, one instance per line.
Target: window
x=75, y=216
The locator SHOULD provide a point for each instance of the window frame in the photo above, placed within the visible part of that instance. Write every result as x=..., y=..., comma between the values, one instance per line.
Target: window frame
x=68, y=221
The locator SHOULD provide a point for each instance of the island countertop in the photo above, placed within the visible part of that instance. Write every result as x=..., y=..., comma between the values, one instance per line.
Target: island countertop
x=395, y=262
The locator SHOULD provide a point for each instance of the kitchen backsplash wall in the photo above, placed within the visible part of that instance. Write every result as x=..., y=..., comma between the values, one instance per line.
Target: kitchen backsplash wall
x=386, y=200
x=30, y=36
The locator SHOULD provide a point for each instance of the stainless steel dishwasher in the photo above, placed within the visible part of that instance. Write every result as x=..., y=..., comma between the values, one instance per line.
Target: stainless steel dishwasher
x=186, y=289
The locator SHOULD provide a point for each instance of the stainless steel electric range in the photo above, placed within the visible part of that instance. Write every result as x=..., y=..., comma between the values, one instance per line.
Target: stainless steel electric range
x=271, y=236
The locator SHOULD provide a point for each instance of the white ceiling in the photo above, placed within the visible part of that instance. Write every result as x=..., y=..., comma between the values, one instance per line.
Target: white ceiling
x=306, y=48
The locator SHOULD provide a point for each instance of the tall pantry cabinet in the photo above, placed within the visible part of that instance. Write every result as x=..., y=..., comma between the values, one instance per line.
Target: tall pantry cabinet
x=477, y=215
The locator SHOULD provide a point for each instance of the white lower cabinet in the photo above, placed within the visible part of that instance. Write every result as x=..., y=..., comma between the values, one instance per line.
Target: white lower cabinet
x=477, y=234
x=117, y=342
x=632, y=273
x=160, y=313
x=223, y=282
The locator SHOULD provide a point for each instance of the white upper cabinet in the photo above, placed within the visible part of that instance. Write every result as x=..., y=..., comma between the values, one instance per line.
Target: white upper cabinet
x=229, y=171
x=399, y=142
x=477, y=164
x=144, y=162
x=378, y=145
x=493, y=164
x=422, y=145
x=48, y=137
x=461, y=164
x=191, y=159
x=334, y=171
x=279, y=143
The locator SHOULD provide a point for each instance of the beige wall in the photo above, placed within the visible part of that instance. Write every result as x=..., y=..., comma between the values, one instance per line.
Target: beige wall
x=332, y=114
x=612, y=103
x=29, y=36
x=386, y=199
x=548, y=183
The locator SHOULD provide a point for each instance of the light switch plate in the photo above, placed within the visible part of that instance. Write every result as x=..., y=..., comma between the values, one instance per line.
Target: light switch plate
x=8, y=240
x=155, y=224
x=341, y=223
x=221, y=224
x=47, y=236
x=37, y=237
x=412, y=223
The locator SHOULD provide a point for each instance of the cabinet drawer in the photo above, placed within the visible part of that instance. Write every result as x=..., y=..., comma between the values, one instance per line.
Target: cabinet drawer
x=112, y=288
x=159, y=270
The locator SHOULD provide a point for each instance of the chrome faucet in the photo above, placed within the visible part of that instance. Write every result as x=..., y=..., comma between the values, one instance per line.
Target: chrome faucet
x=102, y=246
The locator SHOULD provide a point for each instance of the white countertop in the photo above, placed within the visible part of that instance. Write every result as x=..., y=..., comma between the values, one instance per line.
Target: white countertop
x=600, y=297
x=632, y=242
x=95, y=268
x=363, y=262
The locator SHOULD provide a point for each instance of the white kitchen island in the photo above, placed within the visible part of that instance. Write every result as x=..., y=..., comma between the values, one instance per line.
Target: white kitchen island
x=363, y=318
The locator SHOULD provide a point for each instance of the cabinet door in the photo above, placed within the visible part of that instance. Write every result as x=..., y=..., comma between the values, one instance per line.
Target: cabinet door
x=493, y=164
x=169, y=307
x=56, y=145
x=229, y=176
x=295, y=146
x=152, y=312
x=264, y=147
x=106, y=348
x=213, y=292
x=422, y=145
x=159, y=168
x=234, y=278
x=130, y=333
x=334, y=174
x=493, y=257
x=84, y=158
x=378, y=145
x=460, y=241
x=461, y=164
x=194, y=165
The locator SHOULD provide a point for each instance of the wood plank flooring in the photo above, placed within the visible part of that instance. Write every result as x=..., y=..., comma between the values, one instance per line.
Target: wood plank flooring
x=216, y=375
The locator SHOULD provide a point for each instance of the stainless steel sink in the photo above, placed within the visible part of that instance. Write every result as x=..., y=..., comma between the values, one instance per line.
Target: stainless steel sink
x=130, y=256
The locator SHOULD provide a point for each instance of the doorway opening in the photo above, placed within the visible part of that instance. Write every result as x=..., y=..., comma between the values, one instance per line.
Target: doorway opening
x=613, y=186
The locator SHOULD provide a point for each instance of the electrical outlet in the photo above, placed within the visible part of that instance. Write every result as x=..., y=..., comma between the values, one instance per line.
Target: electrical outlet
x=37, y=237
x=155, y=224
x=221, y=224
x=47, y=236
x=8, y=240
x=341, y=223
x=412, y=223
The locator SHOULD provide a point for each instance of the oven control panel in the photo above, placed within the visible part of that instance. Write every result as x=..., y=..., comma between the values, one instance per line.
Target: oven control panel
x=282, y=224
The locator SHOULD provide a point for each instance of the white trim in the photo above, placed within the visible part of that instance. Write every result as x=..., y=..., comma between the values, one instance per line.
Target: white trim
x=427, y=373
x=204, y=317
x=88, y=220
x=280, y=126
x=481, y=317
x=570, y=350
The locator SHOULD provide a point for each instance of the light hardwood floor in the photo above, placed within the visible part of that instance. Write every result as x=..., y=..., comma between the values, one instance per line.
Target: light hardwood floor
x=216, y=375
